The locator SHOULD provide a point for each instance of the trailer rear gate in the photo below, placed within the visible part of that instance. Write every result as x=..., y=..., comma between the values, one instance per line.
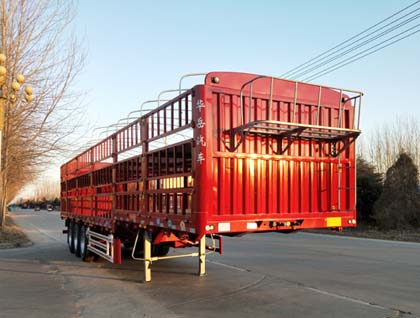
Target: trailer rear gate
x=278, y=172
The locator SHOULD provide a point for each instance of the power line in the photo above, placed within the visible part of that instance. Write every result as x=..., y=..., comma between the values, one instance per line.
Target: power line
x=355, y=47
x=353, y=37
x=356, y=57
x=322, y=56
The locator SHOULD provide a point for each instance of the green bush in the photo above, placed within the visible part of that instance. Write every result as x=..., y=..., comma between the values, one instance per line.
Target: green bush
x=399, y=205
x=369, y=189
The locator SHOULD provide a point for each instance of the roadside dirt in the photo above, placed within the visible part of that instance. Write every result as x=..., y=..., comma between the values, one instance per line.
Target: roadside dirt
x=12, y=236
x=366, y=231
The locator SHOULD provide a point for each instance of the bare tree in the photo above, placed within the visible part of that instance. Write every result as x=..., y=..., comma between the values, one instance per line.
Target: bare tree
x=36, y=41
x=47, y=189
x=390, y=140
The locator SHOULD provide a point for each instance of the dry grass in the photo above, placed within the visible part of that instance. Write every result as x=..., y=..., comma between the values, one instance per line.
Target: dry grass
x=12, y=236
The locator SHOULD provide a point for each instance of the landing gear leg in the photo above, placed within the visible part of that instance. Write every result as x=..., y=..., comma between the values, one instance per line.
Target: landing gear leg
x=202, y=256
x=147, y=256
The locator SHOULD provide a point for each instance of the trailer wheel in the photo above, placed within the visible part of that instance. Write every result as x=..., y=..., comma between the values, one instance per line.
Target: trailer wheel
x=70, y=235
x=85, y=255
x=83, y=242
x=76, y=239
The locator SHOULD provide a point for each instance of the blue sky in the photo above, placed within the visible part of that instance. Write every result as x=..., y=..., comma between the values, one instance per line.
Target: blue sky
x=135, y=49
x=139, y=48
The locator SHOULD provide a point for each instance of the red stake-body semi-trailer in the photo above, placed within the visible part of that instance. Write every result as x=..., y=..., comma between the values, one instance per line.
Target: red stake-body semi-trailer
x=241, y=153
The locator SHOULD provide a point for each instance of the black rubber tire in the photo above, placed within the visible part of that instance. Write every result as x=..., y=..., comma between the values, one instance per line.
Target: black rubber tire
x=70, y=234
x=76, y=239
x=85, y=255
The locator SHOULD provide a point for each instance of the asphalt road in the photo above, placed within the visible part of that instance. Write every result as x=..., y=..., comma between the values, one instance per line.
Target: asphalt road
x=264, y=275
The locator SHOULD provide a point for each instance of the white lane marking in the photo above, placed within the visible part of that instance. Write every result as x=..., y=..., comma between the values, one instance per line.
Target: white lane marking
x=319, y=291
x=44, y=232
x=353, y=300
x=228, y=266
x=357, y=301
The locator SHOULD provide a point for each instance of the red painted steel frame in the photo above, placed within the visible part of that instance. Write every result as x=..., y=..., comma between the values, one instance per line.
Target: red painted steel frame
x=256, y=189
x=246, y=154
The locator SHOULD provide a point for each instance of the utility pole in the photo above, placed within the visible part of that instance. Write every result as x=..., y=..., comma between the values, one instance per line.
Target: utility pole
x=9, y=96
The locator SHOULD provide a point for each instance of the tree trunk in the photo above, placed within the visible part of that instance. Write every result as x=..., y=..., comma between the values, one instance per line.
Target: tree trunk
x=3, y=203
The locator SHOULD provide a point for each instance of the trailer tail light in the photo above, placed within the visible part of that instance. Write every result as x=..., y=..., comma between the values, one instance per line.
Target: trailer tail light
x=210, y=227
x=215, y=80
x=352, y=221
